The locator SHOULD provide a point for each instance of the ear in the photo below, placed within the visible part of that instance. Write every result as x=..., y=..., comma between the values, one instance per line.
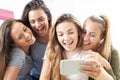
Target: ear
x=101, y=41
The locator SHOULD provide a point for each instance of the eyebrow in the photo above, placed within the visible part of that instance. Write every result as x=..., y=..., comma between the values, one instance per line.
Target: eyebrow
x=40, y=17
x=70, y=29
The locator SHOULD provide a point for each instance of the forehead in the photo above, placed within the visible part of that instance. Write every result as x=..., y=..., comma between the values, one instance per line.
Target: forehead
x=16, y=27
x=36, y=13
x=66, y=26
x=92, y=26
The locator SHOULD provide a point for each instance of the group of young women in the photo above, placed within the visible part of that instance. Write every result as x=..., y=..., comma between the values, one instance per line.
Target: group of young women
x=32, y=48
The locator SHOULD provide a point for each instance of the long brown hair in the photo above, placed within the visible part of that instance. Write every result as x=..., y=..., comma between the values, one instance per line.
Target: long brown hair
x=6, y=44
x=54, y=49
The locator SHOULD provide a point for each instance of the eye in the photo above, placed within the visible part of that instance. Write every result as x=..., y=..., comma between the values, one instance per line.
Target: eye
x=41, y=19
x=70, y=32
x=92, y=35
x=20, y=36
x=32, y=22
x=25, y=29
x=60, y=34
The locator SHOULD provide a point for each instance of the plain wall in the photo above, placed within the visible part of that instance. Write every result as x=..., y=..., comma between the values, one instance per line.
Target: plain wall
x=80, y=8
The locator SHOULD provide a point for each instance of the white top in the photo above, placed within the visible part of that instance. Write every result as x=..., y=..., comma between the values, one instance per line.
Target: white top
x=76, y=55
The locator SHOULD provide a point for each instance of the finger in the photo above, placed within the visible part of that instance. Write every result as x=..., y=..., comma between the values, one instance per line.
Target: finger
x=93, y=68
x=92, y=74
x=92, y=62
x=92, y=71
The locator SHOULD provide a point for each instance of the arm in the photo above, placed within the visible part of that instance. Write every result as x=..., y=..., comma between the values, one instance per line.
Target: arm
x=104, y=75
x=45, y=72
x=93, y=69
x=11, y=73
x=100, y=59
x=15, y=64
x=115, y=64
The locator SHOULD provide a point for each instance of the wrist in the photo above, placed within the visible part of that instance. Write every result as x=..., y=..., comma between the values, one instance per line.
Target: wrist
x=104, y=75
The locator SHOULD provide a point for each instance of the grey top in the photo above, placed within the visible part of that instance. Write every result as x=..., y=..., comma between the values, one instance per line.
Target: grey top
x=21, y=61
x=37, y=53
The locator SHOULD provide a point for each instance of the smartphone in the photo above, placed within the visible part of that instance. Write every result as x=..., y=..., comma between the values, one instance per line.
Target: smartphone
x=69, y=67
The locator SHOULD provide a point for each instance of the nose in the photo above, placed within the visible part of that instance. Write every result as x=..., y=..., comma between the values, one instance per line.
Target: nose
x=37, y=25
x=66, y=37
x=27, y=36
x=86, y=37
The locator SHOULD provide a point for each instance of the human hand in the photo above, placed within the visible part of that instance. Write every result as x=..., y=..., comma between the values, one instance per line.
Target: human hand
x=96, y=56
x=92, y=68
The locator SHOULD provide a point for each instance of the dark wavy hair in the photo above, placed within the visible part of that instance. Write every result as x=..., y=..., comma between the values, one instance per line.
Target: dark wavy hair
x=32, y=5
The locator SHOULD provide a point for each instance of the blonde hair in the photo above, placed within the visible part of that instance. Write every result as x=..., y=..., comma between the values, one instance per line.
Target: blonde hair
x=104, y=23
x=54, y=50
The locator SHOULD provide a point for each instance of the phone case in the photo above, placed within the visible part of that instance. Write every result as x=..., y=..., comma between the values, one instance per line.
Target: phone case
x=68, y=67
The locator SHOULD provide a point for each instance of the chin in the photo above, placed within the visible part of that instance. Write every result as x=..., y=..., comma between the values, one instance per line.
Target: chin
x=85, y=48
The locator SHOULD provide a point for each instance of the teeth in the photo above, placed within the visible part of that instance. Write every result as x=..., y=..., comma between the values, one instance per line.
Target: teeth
x=85, y=43
x=68, y=43
x=40, y=28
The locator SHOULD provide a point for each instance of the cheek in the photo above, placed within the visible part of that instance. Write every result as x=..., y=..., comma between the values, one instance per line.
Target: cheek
x=60, y=40
x=19, y=43
x=95, y=43
x=33, y=26
x=75, y=37
x=46, y=24
x=30, y=32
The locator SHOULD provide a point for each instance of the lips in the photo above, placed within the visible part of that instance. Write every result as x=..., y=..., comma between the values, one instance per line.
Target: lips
x=68, y=44
x=41, y=30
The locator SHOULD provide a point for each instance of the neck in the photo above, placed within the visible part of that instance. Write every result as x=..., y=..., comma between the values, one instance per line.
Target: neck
x=26, y=50
x=43, y=39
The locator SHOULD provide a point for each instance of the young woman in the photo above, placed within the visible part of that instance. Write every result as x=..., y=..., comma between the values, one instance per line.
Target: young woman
x=38, y=18
x=96, y=36
x=64, y=43
x=15, y=59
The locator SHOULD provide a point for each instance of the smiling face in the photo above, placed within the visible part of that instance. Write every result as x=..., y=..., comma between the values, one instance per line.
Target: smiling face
x=39, y=21
x=67, y=35
x=91, y=35
x=21, y=35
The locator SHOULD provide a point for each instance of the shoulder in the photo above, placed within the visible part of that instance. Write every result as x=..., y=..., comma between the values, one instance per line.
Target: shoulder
x=114, y=53
x=17, y=57
x=115, y=58
x=17, y=51
x=115, y=62
x=87, y=51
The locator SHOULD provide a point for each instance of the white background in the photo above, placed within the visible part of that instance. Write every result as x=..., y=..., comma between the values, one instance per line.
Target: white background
x=79, y=8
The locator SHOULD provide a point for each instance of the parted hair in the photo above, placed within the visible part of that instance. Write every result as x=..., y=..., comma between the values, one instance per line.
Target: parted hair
x=33, y=5
x=54, y=50
x=6, y=44
x=105, y=48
